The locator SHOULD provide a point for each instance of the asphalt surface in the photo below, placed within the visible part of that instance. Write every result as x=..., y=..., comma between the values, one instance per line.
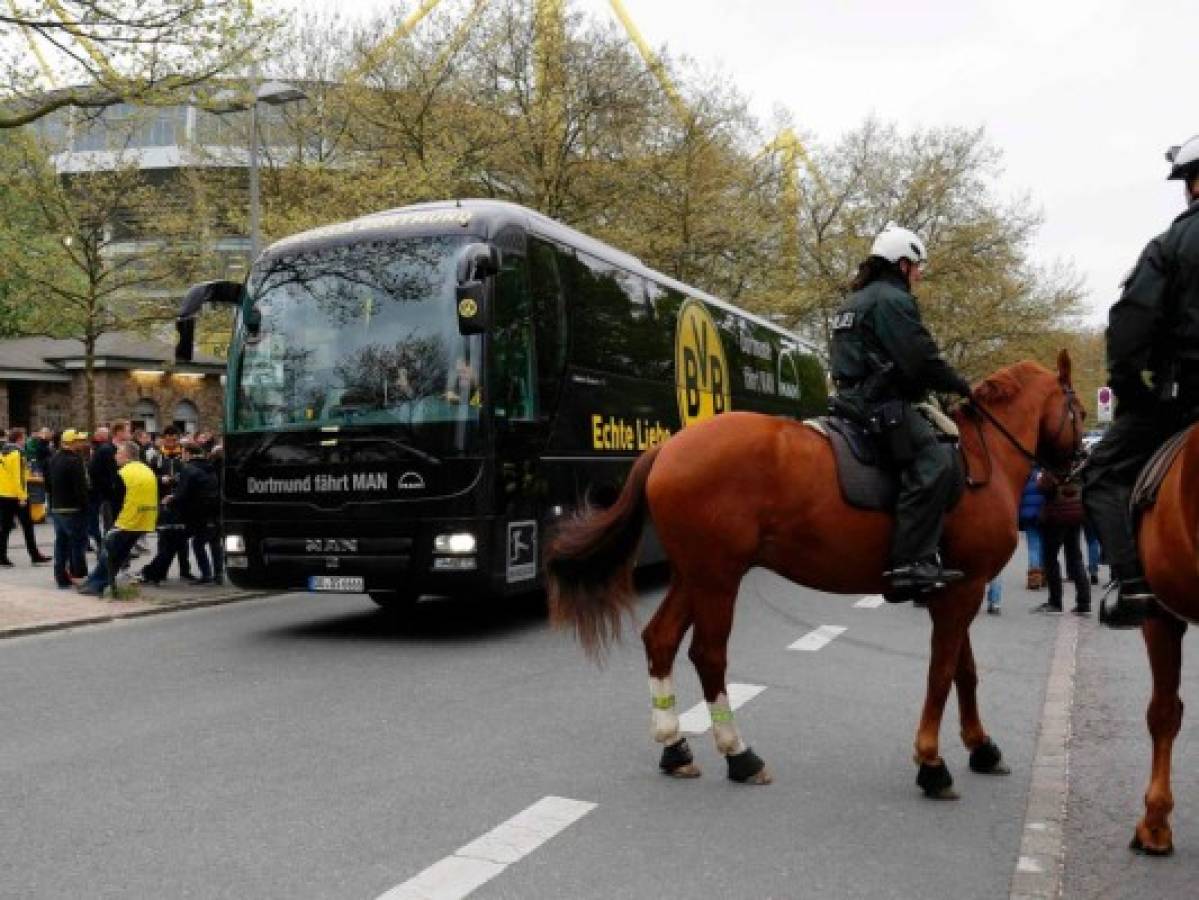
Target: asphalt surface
x=307, y=746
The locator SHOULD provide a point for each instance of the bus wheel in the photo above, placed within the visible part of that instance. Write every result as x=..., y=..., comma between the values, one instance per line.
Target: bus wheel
x=396, y=602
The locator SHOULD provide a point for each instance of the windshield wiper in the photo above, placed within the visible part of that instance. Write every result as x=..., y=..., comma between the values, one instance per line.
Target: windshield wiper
x=258, y=449
x=407, y=448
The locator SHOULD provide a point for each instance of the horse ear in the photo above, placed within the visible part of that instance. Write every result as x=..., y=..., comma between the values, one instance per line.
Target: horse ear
x=1063, y=367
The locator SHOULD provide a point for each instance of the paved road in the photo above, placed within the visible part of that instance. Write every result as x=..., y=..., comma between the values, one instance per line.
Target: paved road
x=303, y=746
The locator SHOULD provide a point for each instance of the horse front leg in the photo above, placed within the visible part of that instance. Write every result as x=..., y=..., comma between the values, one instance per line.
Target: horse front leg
x=1163, y=639
x=951, y=612
x=985, y=756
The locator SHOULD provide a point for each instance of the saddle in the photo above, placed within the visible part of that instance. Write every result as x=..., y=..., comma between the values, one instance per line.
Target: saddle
x=1149, y=481
x=866, y=481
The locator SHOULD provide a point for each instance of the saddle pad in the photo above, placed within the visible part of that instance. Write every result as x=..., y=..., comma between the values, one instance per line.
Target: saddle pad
x=1144, y=490
x=864, y=486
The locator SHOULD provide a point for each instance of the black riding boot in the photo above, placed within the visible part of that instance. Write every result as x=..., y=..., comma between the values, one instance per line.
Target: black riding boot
x=1133, y=602
x=922, y=575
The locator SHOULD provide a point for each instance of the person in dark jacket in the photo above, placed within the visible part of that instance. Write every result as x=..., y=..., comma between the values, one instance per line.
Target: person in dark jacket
x=1153, y=328
x=882, y=360
x=1032, y=501
x=1061, y=529
x=102, y=475
x=67, y=485
x=172, y=531
x=196, y=501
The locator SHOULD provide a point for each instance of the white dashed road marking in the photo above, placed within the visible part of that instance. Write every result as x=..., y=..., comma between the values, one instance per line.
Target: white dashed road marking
x=697, y=720
x=814, y=640
x=870, y=601
x=481, y=860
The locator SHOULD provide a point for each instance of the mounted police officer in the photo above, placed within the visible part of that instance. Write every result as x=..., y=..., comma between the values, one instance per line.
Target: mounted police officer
x=1153, y=328
x=882, y=360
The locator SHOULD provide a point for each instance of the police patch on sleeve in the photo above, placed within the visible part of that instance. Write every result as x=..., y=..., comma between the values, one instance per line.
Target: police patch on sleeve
x=843, y=321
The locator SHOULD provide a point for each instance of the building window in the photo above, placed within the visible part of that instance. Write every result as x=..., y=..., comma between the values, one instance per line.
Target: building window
x=186, y=417
x=145, y=416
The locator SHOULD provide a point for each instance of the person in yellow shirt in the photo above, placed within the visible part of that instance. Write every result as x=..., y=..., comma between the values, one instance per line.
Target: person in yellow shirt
x=14, y=496
x=138, y=516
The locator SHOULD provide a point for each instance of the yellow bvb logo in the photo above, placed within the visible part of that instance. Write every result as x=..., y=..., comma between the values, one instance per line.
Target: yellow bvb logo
x=701, y=374
x=467, y=308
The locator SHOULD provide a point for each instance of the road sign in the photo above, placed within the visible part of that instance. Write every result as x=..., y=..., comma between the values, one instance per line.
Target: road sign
x=1104, y=406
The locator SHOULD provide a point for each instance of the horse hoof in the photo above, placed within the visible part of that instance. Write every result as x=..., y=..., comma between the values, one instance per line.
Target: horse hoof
x=747, y=767
x=936, y=782
x=1156, y=841
x=678, y=762
x=986, y=759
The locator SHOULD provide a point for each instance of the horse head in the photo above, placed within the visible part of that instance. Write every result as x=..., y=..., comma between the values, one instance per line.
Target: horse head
x=1060, y=431
x=1037, y=392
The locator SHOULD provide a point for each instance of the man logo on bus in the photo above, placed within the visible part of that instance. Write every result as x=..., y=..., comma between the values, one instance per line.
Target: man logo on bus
x=700, y=370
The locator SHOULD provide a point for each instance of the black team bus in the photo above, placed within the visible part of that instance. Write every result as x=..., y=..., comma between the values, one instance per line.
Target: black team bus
x=415, y=396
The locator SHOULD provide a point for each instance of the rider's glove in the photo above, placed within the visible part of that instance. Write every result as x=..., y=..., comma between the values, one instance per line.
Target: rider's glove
x=960, y=386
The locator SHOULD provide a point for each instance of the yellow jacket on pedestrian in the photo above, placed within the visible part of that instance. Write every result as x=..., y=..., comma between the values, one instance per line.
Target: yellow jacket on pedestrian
x=139, y=512
x=12, y=473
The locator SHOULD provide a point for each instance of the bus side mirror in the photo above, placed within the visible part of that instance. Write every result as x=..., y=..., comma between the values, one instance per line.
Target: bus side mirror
x=477, y=266
x=227, y=292
x=474, y=308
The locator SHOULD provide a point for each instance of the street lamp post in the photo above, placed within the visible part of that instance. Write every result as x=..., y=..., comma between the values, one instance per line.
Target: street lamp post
x=273, y=93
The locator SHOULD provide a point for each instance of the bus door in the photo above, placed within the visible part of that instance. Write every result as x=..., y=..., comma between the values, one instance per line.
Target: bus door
x=519, y=435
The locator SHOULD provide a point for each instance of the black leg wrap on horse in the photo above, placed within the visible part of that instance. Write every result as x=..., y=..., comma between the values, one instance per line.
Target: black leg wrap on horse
x=744, y=765
x=675, y=756
x=933, y=780
x=985, y=757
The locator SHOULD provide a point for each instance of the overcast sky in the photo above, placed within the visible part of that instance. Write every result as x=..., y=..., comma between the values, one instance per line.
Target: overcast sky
x=1082, y=97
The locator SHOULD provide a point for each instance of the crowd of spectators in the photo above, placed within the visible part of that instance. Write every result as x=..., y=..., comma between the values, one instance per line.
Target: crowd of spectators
x=105, y=492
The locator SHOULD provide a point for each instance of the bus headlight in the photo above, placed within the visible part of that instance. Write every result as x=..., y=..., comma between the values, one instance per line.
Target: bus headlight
x=459, y=543
x=235, y=543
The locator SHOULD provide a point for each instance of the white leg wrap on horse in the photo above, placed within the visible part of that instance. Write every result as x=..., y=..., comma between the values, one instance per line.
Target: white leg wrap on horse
x=724, y=729
x=665, y=720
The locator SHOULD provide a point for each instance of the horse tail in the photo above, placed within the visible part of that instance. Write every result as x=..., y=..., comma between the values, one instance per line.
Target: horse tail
x=589, y=564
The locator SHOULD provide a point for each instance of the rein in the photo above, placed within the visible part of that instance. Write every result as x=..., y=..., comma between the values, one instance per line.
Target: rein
x=1068, y=413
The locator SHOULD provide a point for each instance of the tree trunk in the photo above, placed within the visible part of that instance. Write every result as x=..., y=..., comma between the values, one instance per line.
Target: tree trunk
x=89, y=379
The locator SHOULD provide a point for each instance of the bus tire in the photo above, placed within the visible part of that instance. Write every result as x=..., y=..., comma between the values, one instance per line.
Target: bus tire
x=397, y=602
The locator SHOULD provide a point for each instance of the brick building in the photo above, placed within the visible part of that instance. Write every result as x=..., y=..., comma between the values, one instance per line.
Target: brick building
x=42, y=384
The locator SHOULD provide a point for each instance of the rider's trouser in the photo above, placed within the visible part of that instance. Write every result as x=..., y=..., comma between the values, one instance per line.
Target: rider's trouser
x=926, y=485
x=1108, y=478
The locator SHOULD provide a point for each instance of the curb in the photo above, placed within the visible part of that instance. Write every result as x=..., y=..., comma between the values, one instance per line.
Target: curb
x=1041, y=859
x=39, y=628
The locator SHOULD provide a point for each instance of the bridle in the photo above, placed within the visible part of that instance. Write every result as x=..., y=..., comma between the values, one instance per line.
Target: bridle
x=1071, y=412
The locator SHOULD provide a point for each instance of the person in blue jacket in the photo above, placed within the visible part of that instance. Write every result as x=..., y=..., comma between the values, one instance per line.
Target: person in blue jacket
x=1031, y=502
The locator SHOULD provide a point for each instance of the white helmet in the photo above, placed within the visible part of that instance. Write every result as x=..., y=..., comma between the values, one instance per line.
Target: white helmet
x=1184, y=159
x=895, y=243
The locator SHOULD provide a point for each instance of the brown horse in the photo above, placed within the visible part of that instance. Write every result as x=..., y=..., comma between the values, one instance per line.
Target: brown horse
x=742, y=490
x=1168, y=538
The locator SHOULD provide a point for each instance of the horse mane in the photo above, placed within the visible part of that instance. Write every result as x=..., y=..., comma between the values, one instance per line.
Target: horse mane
x=1008, y=382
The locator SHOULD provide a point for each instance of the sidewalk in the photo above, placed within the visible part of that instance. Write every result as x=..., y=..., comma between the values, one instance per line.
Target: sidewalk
x=30, y=602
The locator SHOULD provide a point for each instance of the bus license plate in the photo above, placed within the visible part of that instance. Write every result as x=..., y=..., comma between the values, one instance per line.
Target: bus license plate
x=342, y=584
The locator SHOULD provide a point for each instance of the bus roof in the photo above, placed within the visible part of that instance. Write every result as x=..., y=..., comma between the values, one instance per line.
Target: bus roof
x=487, y=218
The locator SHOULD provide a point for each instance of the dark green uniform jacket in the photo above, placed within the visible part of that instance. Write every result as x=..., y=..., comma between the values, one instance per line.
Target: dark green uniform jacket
x=881, y=350
x=1155, y=323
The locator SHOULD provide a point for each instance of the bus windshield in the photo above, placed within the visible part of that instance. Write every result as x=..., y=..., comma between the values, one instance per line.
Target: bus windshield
x=359, y=334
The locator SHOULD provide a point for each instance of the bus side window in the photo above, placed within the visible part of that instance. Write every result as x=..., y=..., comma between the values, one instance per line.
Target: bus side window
x=549, y=317
x=513, y=372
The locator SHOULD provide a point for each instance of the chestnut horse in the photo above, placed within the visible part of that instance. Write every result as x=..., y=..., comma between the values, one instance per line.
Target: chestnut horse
x=1168, y=539
x=742, y=490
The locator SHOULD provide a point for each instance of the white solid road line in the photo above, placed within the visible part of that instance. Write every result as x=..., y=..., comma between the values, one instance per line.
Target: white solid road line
x=870, y=601
x=814, y=640
x=697, y=720
x=481, y=860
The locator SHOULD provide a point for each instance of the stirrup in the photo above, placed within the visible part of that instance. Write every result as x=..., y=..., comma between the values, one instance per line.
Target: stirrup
x=1131, y=608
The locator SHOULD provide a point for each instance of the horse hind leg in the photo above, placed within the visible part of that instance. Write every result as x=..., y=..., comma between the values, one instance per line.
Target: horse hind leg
x=1163, y=639
x=662, y=636
x=713, y=617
